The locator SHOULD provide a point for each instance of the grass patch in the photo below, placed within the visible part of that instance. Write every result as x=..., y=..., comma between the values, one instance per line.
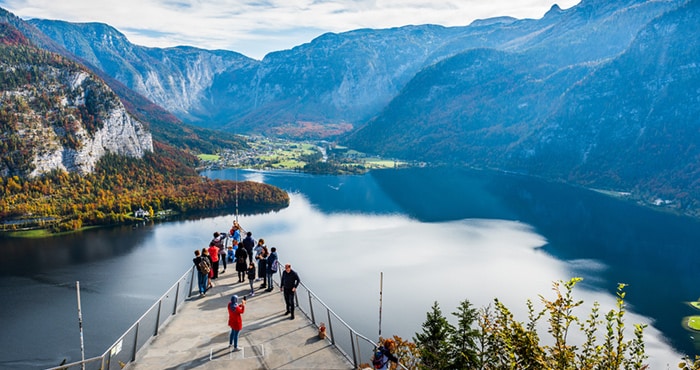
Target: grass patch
x=692, y=323
x=43, y=233
x=209, y=157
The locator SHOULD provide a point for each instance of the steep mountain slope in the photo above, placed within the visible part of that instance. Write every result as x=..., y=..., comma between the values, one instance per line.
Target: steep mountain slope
x=177, y=79
x=338, y=81
x=627, y=123
x=635, y=120
x=75, y=117
x=164, y=126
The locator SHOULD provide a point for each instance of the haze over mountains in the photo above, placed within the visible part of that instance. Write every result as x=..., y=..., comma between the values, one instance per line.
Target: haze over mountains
x=604, y=94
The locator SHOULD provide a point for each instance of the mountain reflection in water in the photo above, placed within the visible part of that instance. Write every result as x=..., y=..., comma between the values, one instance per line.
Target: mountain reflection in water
x=436, y=234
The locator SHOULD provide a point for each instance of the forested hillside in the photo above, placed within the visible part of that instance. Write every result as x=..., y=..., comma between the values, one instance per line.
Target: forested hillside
x=72, y=156
x=162, y=181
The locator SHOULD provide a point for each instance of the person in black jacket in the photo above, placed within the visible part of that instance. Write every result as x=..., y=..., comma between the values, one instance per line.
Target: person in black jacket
x=241, y=266
x=249, y=244
x=289, y=283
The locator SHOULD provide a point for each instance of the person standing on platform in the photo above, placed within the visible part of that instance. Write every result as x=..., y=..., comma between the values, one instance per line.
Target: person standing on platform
x=205, y=254
x=249, y=244
x=220, y=241
x=272, y=262
x=235, y=321
x=251, y=277
x=262, y=266
x=241, y=265
x=214, y=255
x=235, y=232
x=289, y=283
x=203, y=268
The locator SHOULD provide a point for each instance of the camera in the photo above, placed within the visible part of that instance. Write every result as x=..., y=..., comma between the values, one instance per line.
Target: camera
x=244, y=297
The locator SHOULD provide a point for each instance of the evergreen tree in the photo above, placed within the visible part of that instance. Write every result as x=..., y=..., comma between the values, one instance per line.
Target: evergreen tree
x=435, y=348
x=464, y=338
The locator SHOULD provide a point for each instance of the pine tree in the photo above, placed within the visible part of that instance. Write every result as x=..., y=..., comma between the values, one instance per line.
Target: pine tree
x=464, y=338
x=435, y=348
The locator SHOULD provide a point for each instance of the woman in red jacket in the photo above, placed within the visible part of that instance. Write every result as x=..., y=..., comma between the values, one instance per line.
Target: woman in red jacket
x=235, y=311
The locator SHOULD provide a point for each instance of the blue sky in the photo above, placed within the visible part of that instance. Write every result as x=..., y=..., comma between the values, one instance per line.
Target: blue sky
x=257, y=27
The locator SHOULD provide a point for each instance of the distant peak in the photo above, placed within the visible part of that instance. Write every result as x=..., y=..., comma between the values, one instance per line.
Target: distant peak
x=554, y=10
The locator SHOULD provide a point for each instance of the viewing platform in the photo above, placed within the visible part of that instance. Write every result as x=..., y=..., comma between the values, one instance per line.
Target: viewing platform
x=198, y=335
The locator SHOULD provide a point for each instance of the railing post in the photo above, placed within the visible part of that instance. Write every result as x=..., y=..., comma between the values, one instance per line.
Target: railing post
x=352, y=345
x=192, y=277
x=136, y=341
x=330, y=325
x=311, y=308
x=160, y=305
x=177, y=296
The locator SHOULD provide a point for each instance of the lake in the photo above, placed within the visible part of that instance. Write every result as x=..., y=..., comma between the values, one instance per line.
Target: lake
x=442, y=235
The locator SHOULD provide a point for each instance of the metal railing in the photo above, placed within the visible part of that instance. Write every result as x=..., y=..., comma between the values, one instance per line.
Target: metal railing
x=124, y=350
x=355, y=347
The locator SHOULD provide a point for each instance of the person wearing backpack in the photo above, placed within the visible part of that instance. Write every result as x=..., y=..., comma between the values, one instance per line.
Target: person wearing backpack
x=383, y=355
x=203, y=267
x=272, y=262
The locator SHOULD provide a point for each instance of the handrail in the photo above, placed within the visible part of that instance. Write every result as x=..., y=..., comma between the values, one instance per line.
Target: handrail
x=125, y=348
x=358, y=347
x=351, y=344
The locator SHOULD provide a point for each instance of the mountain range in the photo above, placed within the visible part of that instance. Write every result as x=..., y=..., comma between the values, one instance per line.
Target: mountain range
x=603, y=94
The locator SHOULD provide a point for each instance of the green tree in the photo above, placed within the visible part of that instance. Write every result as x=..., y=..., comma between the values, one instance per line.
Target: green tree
x=499, y=341
x=464, y=338
x=434, y=345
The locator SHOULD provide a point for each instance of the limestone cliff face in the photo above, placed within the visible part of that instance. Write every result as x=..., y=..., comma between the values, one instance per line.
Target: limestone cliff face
x=55, y=114
x=120, y=134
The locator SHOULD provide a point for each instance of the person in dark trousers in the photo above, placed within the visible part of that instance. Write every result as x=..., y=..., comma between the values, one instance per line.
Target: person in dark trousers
x=241, y=265
x=235, y=322
x=203, y=268
x=289, y=283
x=249, y=244
x=272, y=262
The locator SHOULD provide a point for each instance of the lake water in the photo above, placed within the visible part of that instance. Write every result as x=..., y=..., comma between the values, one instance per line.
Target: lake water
x=436, y=235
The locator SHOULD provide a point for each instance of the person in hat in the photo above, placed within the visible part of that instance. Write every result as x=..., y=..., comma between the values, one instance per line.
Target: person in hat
x=235, y=310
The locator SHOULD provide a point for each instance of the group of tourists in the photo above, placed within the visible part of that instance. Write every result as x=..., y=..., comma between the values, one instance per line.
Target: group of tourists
x=252, y=260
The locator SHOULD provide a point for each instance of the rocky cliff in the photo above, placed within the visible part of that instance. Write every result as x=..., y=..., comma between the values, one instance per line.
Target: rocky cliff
x=56, y=114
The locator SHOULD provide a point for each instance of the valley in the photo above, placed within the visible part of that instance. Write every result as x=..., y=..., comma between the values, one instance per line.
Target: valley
x=317, y=157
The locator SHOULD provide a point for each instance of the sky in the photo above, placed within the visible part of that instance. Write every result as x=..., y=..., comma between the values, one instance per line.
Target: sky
x=257, y=27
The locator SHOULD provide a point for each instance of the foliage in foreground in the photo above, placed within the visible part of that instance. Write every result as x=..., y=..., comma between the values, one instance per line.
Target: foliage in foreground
x=491, y=338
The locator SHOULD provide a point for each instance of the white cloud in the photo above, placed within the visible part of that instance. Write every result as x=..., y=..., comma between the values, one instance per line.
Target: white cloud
x=256, y=27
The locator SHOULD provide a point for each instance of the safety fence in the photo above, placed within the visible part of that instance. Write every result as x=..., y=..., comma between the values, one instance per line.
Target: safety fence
x=357, y=348
x=124, y=350
x=354, y=346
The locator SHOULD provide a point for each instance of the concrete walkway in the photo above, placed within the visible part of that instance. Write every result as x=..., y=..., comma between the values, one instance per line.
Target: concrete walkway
x=197, y=337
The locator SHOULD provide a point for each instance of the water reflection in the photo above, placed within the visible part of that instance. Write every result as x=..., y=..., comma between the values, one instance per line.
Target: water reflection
x=437, y=235
x=447, y=262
